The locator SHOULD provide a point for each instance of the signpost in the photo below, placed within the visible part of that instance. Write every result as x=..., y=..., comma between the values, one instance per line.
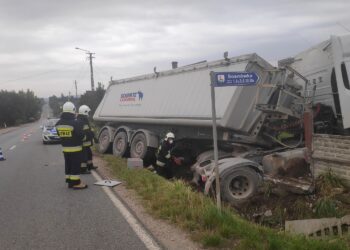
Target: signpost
x=224, y=79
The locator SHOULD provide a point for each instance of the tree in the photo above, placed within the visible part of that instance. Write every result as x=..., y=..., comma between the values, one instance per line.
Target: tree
x=93, y=98
x=18, y=108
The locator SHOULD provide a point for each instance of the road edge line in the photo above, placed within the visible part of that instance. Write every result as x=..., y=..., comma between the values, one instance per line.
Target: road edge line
x=143, y=235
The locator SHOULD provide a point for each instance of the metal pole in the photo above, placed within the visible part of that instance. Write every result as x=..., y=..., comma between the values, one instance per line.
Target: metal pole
x=91, y=72
x=76, y=89
x=215, y=139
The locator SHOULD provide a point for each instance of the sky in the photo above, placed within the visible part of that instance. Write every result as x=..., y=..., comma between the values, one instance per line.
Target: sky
x=38, y=37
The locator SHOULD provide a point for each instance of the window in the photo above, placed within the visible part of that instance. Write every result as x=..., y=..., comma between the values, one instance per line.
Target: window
x=344, y=74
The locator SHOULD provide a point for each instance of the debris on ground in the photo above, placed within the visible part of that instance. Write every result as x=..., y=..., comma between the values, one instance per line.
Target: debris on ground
x=272, y=206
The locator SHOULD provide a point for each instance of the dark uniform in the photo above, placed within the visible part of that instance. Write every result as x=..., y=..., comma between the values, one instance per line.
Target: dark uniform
x=164, y=160
x=87, y=143
x=71, y=133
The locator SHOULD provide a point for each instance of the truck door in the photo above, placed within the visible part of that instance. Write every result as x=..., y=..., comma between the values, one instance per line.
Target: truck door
x=341, y=59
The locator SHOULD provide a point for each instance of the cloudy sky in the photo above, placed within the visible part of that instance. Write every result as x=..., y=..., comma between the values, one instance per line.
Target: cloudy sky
x=38, y=37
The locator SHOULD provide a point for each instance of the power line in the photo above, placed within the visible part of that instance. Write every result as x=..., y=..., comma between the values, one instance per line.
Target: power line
x=343, y=26
x=36, y=75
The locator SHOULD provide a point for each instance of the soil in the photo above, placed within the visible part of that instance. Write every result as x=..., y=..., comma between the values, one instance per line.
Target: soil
x=272, y=207
x=169, y=236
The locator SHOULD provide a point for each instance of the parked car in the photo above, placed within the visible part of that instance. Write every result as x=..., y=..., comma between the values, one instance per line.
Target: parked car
x=49, y=133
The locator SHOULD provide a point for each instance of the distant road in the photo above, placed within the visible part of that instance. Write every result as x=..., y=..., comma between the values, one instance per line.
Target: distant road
x=38, y=211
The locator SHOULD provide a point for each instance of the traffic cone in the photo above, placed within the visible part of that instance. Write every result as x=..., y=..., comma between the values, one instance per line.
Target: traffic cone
x=2, y=158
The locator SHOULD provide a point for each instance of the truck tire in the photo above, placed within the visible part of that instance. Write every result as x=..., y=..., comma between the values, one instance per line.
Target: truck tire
x=239, y=185
x=120, y=144
x=104, y=145
x=138, y=147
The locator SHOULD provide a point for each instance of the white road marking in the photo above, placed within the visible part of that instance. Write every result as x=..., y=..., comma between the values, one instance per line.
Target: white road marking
x=145, y=237
x=13, y=147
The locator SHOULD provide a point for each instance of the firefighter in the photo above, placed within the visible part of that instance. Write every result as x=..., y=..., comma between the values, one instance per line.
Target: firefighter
x=71, y=133
x=165, y=157
x=83, y=115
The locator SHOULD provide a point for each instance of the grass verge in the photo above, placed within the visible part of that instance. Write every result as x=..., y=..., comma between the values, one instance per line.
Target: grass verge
x=177, y=203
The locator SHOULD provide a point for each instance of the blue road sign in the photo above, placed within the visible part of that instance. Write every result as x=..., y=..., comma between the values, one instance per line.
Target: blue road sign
x=222, y=79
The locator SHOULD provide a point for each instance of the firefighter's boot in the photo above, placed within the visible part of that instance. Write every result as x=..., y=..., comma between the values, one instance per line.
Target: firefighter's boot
x=90, y=166
x=80, y=186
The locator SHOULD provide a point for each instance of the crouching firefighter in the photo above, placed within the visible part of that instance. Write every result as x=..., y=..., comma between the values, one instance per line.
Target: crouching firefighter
x=86, y=164
x=71, y=133
x=165, y=157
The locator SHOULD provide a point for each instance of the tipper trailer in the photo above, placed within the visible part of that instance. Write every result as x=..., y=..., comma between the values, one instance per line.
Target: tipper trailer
x=260, y=128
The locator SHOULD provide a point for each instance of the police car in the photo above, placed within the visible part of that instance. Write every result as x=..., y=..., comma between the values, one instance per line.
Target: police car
x=49, y=133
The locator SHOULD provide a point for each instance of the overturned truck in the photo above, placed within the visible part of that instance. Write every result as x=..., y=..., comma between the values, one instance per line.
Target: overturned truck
x=260, y=128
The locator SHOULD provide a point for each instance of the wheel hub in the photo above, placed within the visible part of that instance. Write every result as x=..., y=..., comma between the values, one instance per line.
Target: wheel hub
x=120, y=144
x=239, y=186
x=104, y=141
x=139, y=148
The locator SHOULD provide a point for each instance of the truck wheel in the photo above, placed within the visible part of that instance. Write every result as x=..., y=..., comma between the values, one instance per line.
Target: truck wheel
x=138, y=148
x=104, y=145
x=239, y=185
x=120, y=144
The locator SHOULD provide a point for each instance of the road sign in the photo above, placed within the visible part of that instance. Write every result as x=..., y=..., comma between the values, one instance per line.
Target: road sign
x=223, y=79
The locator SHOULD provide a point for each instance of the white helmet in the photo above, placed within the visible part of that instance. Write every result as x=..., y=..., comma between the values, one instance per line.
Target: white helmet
x=68, y=107
x=169, y=135
x=84, y=110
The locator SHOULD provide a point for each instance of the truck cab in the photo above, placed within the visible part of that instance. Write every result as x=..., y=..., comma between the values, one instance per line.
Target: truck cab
x=327, y=68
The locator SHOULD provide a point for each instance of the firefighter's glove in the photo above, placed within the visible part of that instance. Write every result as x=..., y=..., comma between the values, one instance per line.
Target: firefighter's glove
x=177, y=161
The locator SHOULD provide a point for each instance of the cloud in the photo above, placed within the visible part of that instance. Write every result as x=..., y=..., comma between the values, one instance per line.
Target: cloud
x=131, y=37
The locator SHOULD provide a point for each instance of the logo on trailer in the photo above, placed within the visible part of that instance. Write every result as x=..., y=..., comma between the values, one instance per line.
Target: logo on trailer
x=131, y=98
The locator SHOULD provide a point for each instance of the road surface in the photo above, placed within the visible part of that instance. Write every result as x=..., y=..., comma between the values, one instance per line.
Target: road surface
x=38, y=211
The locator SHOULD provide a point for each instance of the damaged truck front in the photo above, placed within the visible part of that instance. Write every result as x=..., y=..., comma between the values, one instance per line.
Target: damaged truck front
x=256, y=124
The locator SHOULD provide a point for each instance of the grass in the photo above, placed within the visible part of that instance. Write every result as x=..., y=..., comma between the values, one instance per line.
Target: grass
x=326, y=207
x=177, y=203
x=326, y=183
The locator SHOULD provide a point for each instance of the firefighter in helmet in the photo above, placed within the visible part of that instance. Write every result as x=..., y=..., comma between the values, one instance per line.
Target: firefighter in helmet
x=83, y=115
x=165, y=157
x=71, y=133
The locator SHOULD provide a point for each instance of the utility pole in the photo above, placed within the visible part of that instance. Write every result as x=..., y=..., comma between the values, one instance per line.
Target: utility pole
x=76, y=89
x=91, y=72
x=91, y=68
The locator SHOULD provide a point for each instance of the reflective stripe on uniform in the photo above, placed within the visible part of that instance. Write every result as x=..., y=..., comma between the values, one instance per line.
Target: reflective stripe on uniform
x=67, y=176
x=168, y=155
x=89, y=162
x=64, y=130
x=75, y=177
x=86, y=127
x=65, y=127
x=161, y=164
x=72, y=149
x=83, y=165
x=87, y=143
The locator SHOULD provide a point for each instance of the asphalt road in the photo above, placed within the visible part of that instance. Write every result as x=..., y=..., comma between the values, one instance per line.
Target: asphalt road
x=38, y=211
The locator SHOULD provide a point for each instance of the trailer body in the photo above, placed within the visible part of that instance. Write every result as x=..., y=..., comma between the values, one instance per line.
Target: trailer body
x=253, y=121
